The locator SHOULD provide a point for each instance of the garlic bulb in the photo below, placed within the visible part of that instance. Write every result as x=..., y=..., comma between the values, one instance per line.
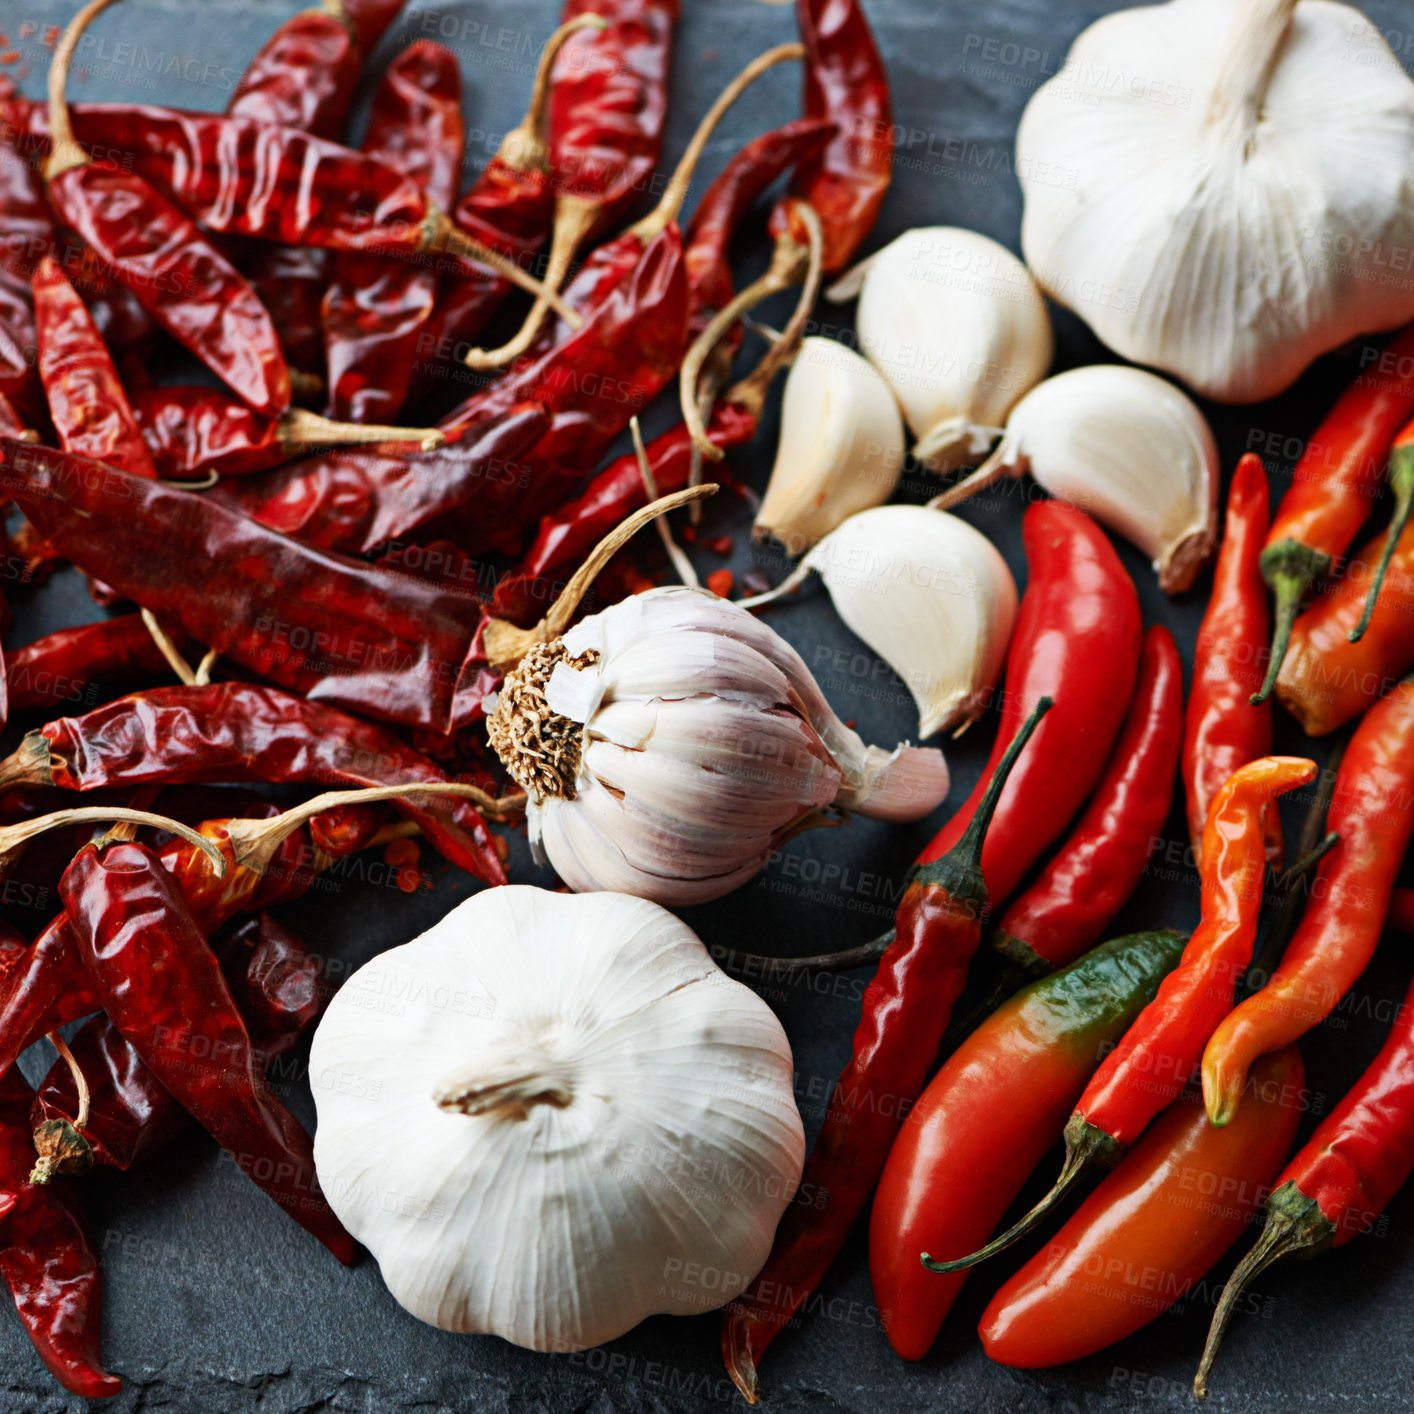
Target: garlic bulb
x=1125, y=446
x=841, y=448
x=1222, y=188
x=930, y=595
x=959, y=328
x=670, y=743
x=551, y=1116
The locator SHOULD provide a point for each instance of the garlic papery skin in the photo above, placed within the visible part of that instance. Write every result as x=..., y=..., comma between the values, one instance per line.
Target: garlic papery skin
x=959, y=328
x=1128, y=448
x=671, y=743
x=551, y=1116
x=841, y=448
x=1221, y=189
x=931, y=596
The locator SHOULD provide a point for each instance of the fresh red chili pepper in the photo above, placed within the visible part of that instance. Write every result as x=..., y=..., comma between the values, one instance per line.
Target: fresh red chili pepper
x=131, y=1114
x=1326, y=679
x=70, y=665
x=87, y=404
x=1342, y=1178
x=1087, y=1287
x=988, y=1118
x=353, y=501
x=46, y=1258
x=1370, y=811
x=906, y=1008
x=332, y=629
x=303, y=76
x=1223, y=728
x=1077, y=639
x=196, y=431
x=1149, y=1067
x=1401, y=481
x=846, y=83
x=1334, y=486
x=375, y=309
x=567, y=535
x=237, y=732
x=161, y=984
x=159, y=254
x=1088, y=880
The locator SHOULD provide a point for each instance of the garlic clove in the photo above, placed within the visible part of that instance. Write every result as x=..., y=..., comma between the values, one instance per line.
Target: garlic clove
x=958, y=327
x=931, y=596
x=1222, y=190
x=1128, y=448
x=841, y=447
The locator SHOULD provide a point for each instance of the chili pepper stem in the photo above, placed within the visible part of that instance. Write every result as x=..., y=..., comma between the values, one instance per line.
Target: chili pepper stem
x=1086, y=1146
x=59, y=1143
x=29, y=764
x=64, y=151
x=1291, y=568
x=1401, y=481
x=13, y=838
x=575, y=216
x=167, y=648
x=791, y=264
x=523, y=148
x=506, y=645
x=840, y=961
x=675, y=552
x=440, y=233
x=299, y=429
x=1295, y=1227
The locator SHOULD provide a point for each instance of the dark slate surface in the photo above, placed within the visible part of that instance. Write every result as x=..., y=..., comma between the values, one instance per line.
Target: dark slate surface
x=214, y=1303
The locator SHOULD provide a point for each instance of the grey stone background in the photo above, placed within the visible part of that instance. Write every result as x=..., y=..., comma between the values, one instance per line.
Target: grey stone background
x=214, y=1304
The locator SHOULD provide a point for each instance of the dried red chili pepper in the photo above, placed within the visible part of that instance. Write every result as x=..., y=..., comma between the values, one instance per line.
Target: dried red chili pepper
x=353, y=501
x=1326, y=680
x=197, y=431
x=989, y=1117
x=1077, y=639
x=46, y=1258
x=608, y=107
x=237, y=732
x=906, y=1008
x=68, y=666
x=1087, y=881
x=159, y=254
x=1370, y=811
x=87, y=404
x=375, y=309
x=1334, y=485
x=1223, y=728
x=303, y=76
x=1342, y=1178
x=130, y=1113
x=1150, y=1066
x=370, y=18
x=1091, y=1285
x=28, y=237
x=131, y=921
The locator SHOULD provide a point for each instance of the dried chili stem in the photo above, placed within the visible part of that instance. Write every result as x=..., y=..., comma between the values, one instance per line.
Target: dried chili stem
x=676, y=554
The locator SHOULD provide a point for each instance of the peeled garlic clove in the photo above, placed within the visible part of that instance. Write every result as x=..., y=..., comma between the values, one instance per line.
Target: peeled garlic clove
x=1221, y=188
x=1128, y=448
x=931, y=596
x=958, y=326
x=841, y=448
x=669, y=744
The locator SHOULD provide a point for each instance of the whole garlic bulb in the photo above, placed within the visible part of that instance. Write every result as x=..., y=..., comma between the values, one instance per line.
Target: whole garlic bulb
x=930, y=595
x=1128, y=448
x=670, y=743
x=1222, y=190
x=958, y=327
x=841, y=447
x=551, y=1116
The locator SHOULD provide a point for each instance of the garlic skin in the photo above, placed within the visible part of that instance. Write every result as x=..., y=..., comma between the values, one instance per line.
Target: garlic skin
x=552, y=1116
x=671, y=743
x=1128, y=448
x=1222, y=190
x=959, y=328
x=931, y=596
x=841, y=448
